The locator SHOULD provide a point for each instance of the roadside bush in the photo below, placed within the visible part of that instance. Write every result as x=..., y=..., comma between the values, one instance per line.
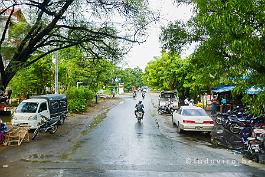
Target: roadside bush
x=79, y=99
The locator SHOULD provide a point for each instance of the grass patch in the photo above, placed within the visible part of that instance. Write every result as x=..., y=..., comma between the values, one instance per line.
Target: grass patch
x=97, y=120
x=77, y=145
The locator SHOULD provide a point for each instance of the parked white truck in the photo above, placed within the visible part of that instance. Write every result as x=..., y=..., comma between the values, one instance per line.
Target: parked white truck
x=168, y=97
x=32, y=111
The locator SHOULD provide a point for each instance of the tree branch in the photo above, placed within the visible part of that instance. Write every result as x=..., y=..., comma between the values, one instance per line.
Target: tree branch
x=44, y=54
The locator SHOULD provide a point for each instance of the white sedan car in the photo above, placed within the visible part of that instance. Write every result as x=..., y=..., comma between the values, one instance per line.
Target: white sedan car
x=192, y=118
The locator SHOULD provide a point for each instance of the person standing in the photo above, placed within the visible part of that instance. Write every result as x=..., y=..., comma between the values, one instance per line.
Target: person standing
x=3, y=131
x=224, y=103
x=214, y=104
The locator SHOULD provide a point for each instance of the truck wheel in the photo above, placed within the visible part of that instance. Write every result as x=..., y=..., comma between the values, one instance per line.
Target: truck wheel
x=159, y=111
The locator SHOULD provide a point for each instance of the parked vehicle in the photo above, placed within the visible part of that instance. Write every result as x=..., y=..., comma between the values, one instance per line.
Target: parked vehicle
x=139, y=115
x=237, y=119
x=31, y=111
x=254, y=146
x=170, y=96
x=192, y=118
x=46, y=126
x=166, y=109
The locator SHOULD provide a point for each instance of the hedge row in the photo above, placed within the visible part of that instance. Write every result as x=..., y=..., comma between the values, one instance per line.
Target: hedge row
x=79, y=99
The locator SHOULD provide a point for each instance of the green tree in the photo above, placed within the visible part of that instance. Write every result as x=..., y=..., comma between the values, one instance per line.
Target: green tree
x=170, y=72
x=131, y=77
x=56, y=25
x=33, y=79
x=231, y=42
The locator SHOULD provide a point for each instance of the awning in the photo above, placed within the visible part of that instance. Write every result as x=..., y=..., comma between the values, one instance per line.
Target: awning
x=223, y=88
x=253, y=90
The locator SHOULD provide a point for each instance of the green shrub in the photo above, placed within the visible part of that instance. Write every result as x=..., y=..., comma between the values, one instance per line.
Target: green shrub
x=78, y=99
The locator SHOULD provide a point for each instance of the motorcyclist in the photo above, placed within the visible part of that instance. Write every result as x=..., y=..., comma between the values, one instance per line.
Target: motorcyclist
x=134, y=93
x=143, y=94
x=139, y=108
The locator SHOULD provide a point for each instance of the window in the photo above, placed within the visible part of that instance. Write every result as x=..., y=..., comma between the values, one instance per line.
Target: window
x=55, y=105
x=63, y=104
x=43, y=107
x=194, y=112
x=27, y=107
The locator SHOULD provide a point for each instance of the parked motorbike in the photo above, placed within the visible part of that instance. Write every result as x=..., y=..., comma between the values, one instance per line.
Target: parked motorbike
x=47, y=126
x=139, y=115
x=254, y=146
x=238, y=123
x=234, y=120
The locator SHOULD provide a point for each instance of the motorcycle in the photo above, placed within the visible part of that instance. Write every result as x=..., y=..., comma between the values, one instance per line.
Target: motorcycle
x=47, y=126
x=139, y=115
x=234, y=120
x=254, y=146
x=221, y=118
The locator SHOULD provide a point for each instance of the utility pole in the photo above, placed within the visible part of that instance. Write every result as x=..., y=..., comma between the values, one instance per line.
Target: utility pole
x=56, y=73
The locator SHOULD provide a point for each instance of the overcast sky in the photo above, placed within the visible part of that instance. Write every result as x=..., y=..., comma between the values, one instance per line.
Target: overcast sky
x=140, y=55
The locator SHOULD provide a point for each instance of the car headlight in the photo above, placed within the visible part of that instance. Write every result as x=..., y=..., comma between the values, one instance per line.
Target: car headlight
x=162, y=103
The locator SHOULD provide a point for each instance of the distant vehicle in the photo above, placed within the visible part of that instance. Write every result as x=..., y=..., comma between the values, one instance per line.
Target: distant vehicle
x=168, y=96
x=31, y=111
x=192, y=118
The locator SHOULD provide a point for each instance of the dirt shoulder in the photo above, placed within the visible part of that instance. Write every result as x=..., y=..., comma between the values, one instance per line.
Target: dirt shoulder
x=56, y=147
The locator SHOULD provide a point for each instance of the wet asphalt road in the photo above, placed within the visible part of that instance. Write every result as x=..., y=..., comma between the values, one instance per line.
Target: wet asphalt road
x=120, y=146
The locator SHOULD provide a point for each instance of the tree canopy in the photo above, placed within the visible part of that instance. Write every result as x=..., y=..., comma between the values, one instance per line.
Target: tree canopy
x=103, y=28
x=230, y=41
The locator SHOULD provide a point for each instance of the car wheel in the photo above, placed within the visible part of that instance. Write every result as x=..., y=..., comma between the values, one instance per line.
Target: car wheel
x=179, y=130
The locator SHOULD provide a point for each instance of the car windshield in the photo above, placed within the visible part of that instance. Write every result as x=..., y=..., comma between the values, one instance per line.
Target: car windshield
x=168, y=95
x=194, y=112
x=27, y=107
